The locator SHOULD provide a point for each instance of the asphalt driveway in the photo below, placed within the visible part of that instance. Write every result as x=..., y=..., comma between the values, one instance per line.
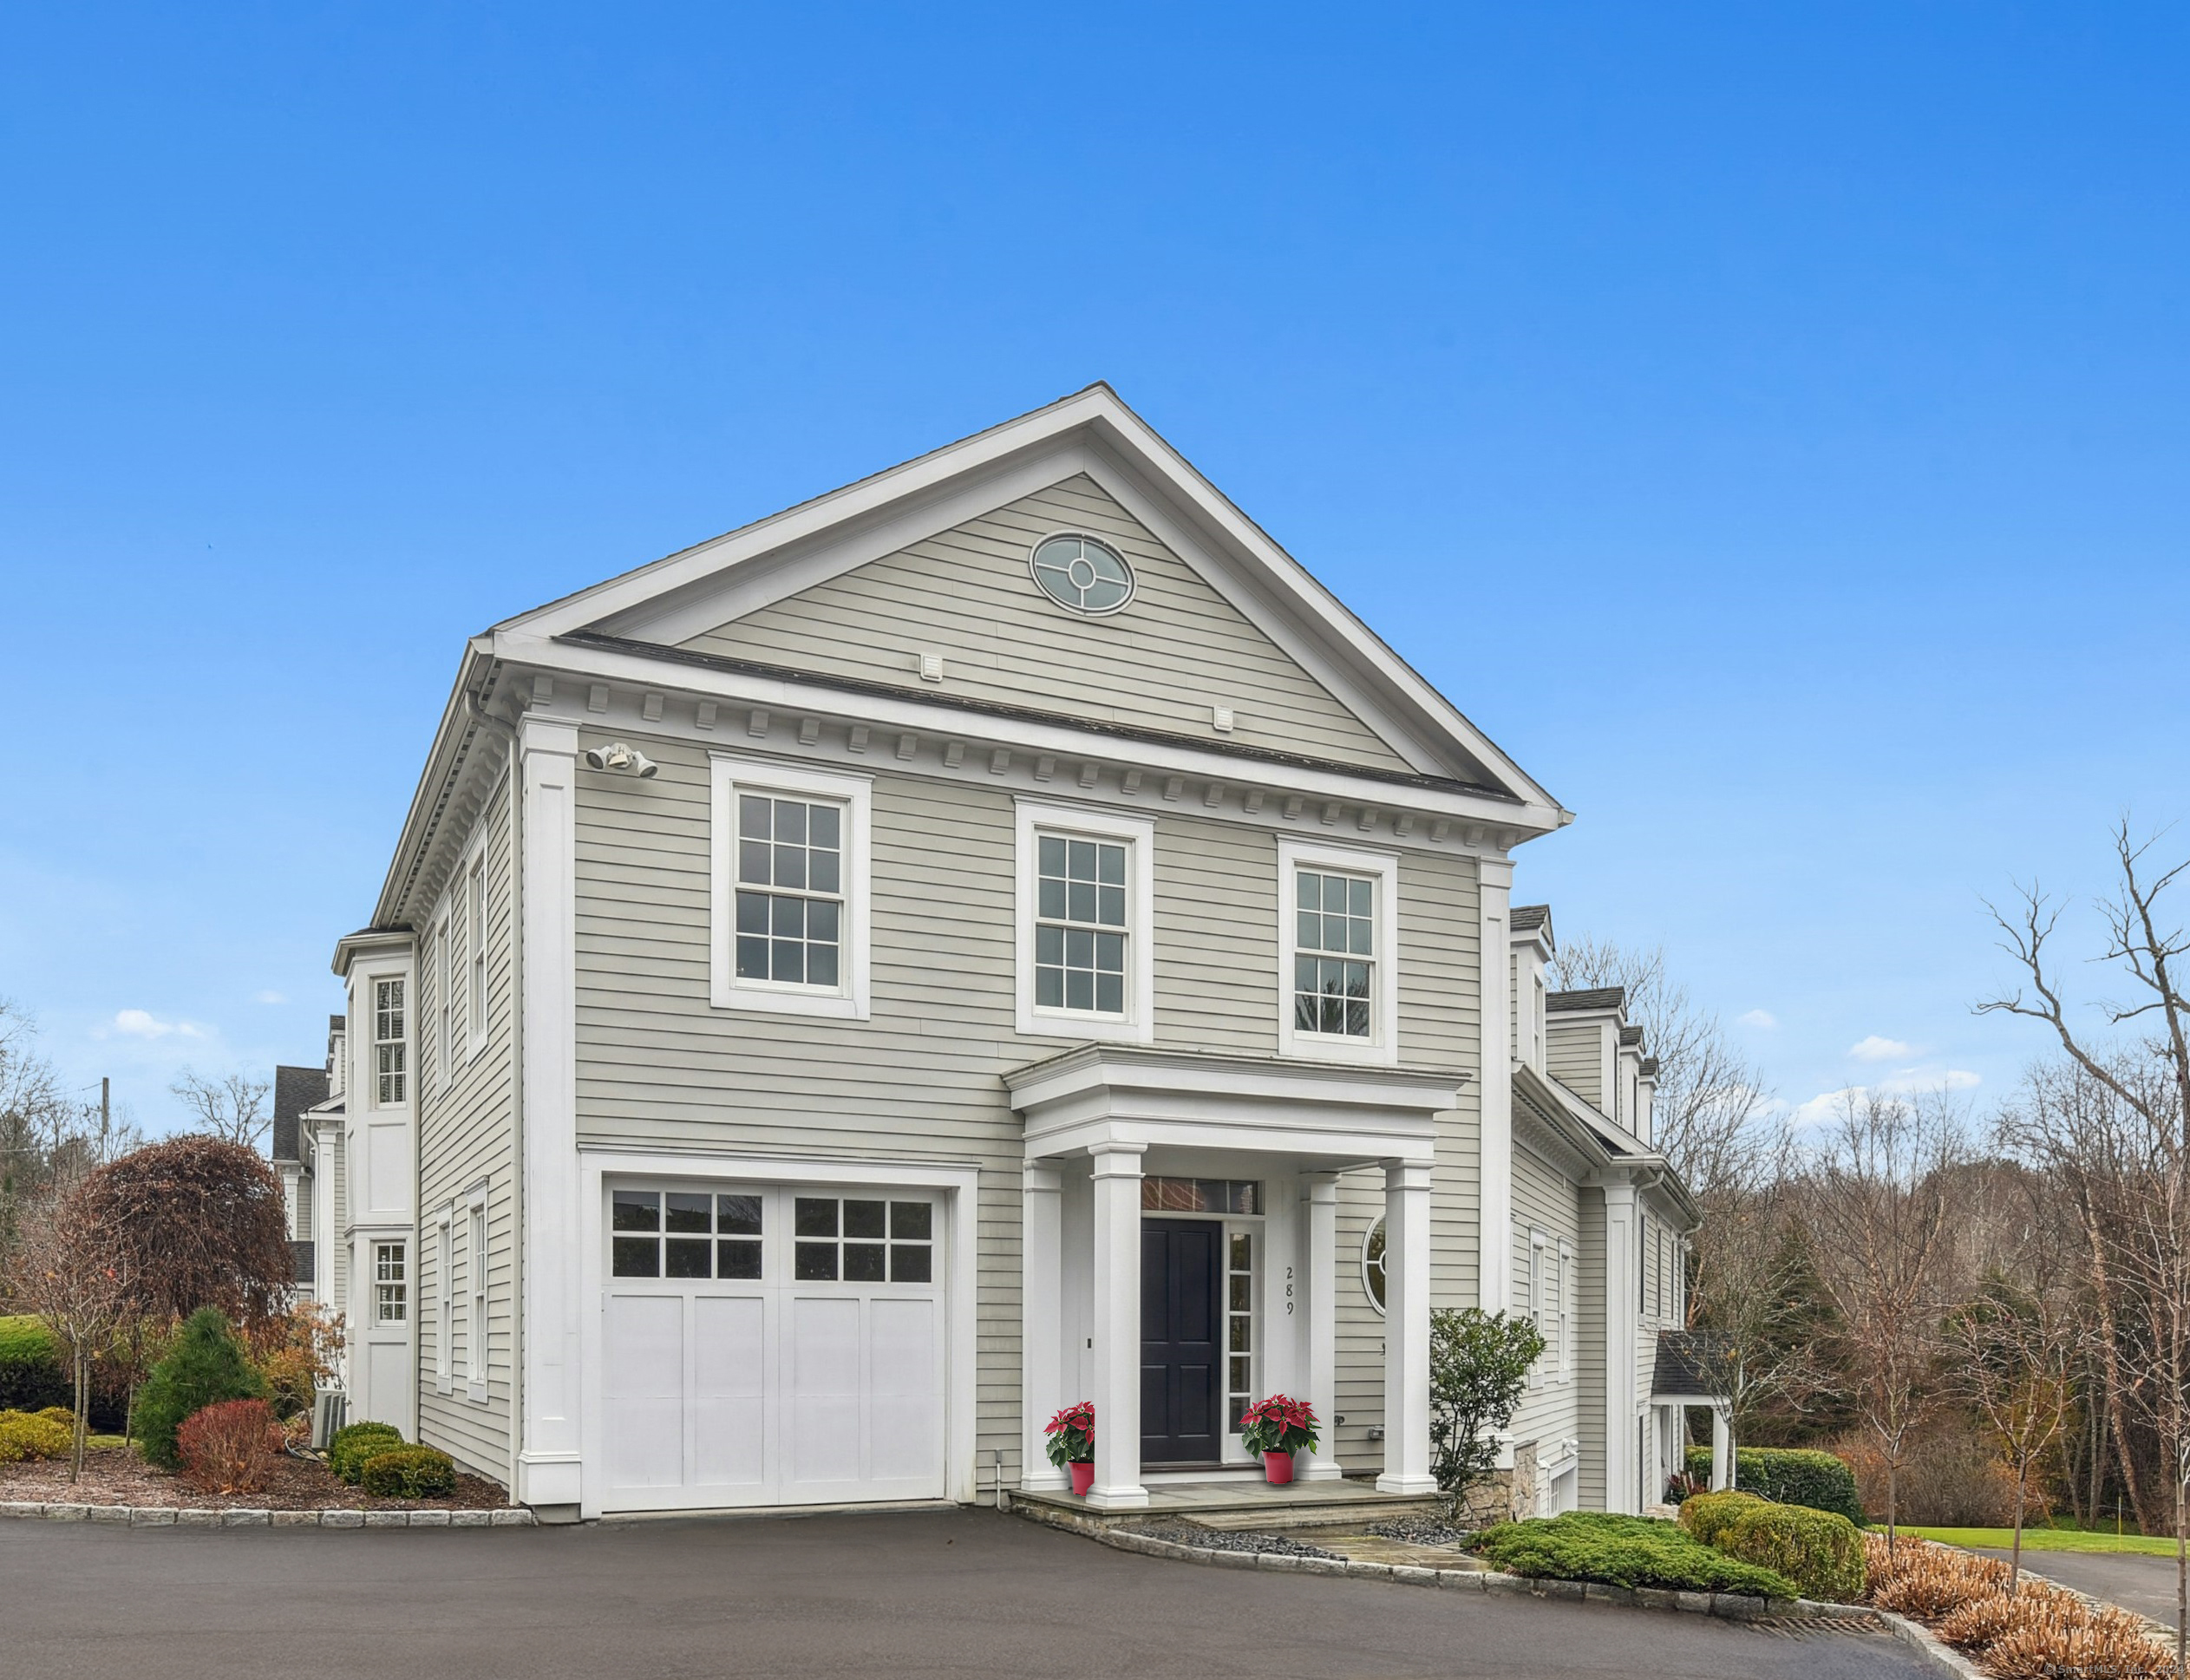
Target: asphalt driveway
x=944, y=1593
x=2134, y=1580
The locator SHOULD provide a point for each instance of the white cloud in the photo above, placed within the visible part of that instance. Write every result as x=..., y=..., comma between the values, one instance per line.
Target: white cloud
x=268, y=997
x=1761, y=1018
x=1826, y=1105
x=1830, y=1104
x=1875, y=1048
x=142, y=1023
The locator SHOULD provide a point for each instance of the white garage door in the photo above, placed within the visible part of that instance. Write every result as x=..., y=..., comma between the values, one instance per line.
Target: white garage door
x=771, y=1346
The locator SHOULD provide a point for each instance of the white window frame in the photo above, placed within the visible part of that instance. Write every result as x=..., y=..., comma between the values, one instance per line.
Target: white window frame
x=477, y=1276
x=443, y=1024
x=474, y=913
x=401, y=1282
x=1566, y=1309
x=1137, y=1025
x=1381, y=1047
x=849, y=999
x=444, y=1302
x=374, y=1043
x=1538, y=1241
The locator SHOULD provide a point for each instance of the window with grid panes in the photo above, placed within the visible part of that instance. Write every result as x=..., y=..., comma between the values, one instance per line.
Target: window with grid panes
x=684, y=1233
x=1334, y=953
x=391, y=1301
x=389, y=1042
x=1240, y=1325
x=475, y=1331
x=475, y=929
x=790, y=890
x=1080, y=924
x=861, y=1240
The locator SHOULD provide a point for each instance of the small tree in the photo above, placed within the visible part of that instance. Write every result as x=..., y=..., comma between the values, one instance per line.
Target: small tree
x=232, y=1108
x=207, y=1365
x=66, y=1268
x=202, y=1224
x=2019, y=1351
x=1479, y=1366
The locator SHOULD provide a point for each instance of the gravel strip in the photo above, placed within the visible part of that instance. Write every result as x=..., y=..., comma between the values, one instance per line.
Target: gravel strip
x=1227, y=1540
x=1421, y=1531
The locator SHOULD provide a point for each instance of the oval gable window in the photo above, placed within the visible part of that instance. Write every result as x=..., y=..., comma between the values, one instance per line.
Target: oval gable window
x=1372, y=1265
x=1081, y=574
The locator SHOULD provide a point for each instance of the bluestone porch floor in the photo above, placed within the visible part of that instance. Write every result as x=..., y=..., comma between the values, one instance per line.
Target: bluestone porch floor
x=1249, y=1504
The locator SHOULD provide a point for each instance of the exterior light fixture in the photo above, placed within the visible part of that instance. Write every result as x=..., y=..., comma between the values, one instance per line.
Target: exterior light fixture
x=624, y=761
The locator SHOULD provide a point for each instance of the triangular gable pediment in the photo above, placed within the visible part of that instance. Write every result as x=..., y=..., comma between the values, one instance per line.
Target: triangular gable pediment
x=931, y=557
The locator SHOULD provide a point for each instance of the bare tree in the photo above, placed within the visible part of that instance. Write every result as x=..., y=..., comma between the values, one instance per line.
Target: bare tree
x=1745, y=1304
x=2140, y=1162
x=69, y=1268
x=1875, y=1196
x=232, y=1106
x=2017, y=1349
x=1711, y=1112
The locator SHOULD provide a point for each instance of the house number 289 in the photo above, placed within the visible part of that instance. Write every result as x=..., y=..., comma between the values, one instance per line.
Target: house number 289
x=1288, y=1289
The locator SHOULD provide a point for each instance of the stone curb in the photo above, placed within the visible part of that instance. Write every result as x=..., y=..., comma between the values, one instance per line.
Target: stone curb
x=1728, y=1607
x=1928, y=1646
x=168, y=1516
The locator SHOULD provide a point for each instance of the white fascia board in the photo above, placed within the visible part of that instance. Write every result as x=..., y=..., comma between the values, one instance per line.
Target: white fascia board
x=913, y=714
x=1161, y=1077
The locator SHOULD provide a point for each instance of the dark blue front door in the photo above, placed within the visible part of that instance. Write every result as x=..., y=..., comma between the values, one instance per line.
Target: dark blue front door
x=1181, y=1269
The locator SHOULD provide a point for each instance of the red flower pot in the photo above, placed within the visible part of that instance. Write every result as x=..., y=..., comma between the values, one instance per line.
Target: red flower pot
x=1278, y=1468
x=1083, y=1478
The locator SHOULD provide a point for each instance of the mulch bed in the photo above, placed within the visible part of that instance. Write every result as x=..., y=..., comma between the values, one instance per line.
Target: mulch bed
x=116, y=1476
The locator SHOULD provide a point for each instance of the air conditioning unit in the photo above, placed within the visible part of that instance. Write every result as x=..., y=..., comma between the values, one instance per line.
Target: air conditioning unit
x=328, y=1409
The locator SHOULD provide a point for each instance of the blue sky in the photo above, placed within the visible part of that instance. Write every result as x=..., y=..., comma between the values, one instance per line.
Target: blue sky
x=1768, y=423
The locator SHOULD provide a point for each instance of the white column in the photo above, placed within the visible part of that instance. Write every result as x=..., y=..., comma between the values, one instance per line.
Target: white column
x=1117, y=1328
x=1722, y=1449
x=1623, y=1307
x=1041, y=1318
x=1406, y=1329
x=1318, y=1300
x=549, y=1452
x=1495, y=1089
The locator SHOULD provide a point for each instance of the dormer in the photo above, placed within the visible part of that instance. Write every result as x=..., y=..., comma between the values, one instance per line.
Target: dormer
x=1627, y=1082
x=1595, y=1054
x=337, y=1033
x=1531, y=948
x=1646, y=1102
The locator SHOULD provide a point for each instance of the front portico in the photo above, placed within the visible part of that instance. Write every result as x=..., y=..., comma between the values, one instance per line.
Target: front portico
x=1180, y=1253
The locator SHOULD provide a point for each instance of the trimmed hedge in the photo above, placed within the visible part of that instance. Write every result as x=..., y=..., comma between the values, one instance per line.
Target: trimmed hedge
x=348, y=1449
x=409, y=1473
x=1631, y=1551
x=32, y=1375
x=1709, y=1515
x=1820, y=1552
x=1789, y=1476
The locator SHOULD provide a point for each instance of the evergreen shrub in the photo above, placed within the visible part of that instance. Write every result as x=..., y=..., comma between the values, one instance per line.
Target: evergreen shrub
x=348, y=1449
x=1820, y=1552
x=1631, y=1551
x=206, y=1366
x=1790, y=1476
x=33, y=1434
x=409, y=1473
x=1709, y=1515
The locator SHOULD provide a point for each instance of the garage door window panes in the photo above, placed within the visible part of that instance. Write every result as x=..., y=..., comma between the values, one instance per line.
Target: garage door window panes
x=684, y=1233
x=855, y=1241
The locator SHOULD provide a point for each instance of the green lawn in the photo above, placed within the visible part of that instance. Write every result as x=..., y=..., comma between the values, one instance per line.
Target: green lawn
x=2047, y=1539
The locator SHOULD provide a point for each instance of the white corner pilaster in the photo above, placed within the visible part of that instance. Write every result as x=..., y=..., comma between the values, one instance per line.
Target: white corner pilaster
x=1319, y=1292
x=1406, y=1330
x=1622, y=1474
x=1494, y=1089
x=1117, y=1328
x=1722, y=1450
x=549, y=1460
x=1040, y=1317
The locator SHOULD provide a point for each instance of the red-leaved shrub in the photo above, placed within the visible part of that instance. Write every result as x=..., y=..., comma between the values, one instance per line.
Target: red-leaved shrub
x=230, y=1448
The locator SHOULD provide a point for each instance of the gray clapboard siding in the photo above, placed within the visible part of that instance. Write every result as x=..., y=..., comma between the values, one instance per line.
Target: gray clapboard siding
x=1175, y=651
x=466, y=1134
x=658, y=1067
x=1575, y=1057
x=1590, y=1365
x=1546, y=1199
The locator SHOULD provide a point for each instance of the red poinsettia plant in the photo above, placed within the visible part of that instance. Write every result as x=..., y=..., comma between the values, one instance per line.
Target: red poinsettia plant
x=1071, y=1434
x=1279, y=1424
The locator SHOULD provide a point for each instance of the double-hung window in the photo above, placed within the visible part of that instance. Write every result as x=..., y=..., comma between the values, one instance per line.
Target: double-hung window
x=475, y=1319
x=391, y=1284
x=390, y=1068
x=790, y=850
x=1337, y=958
x=1085, y=891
